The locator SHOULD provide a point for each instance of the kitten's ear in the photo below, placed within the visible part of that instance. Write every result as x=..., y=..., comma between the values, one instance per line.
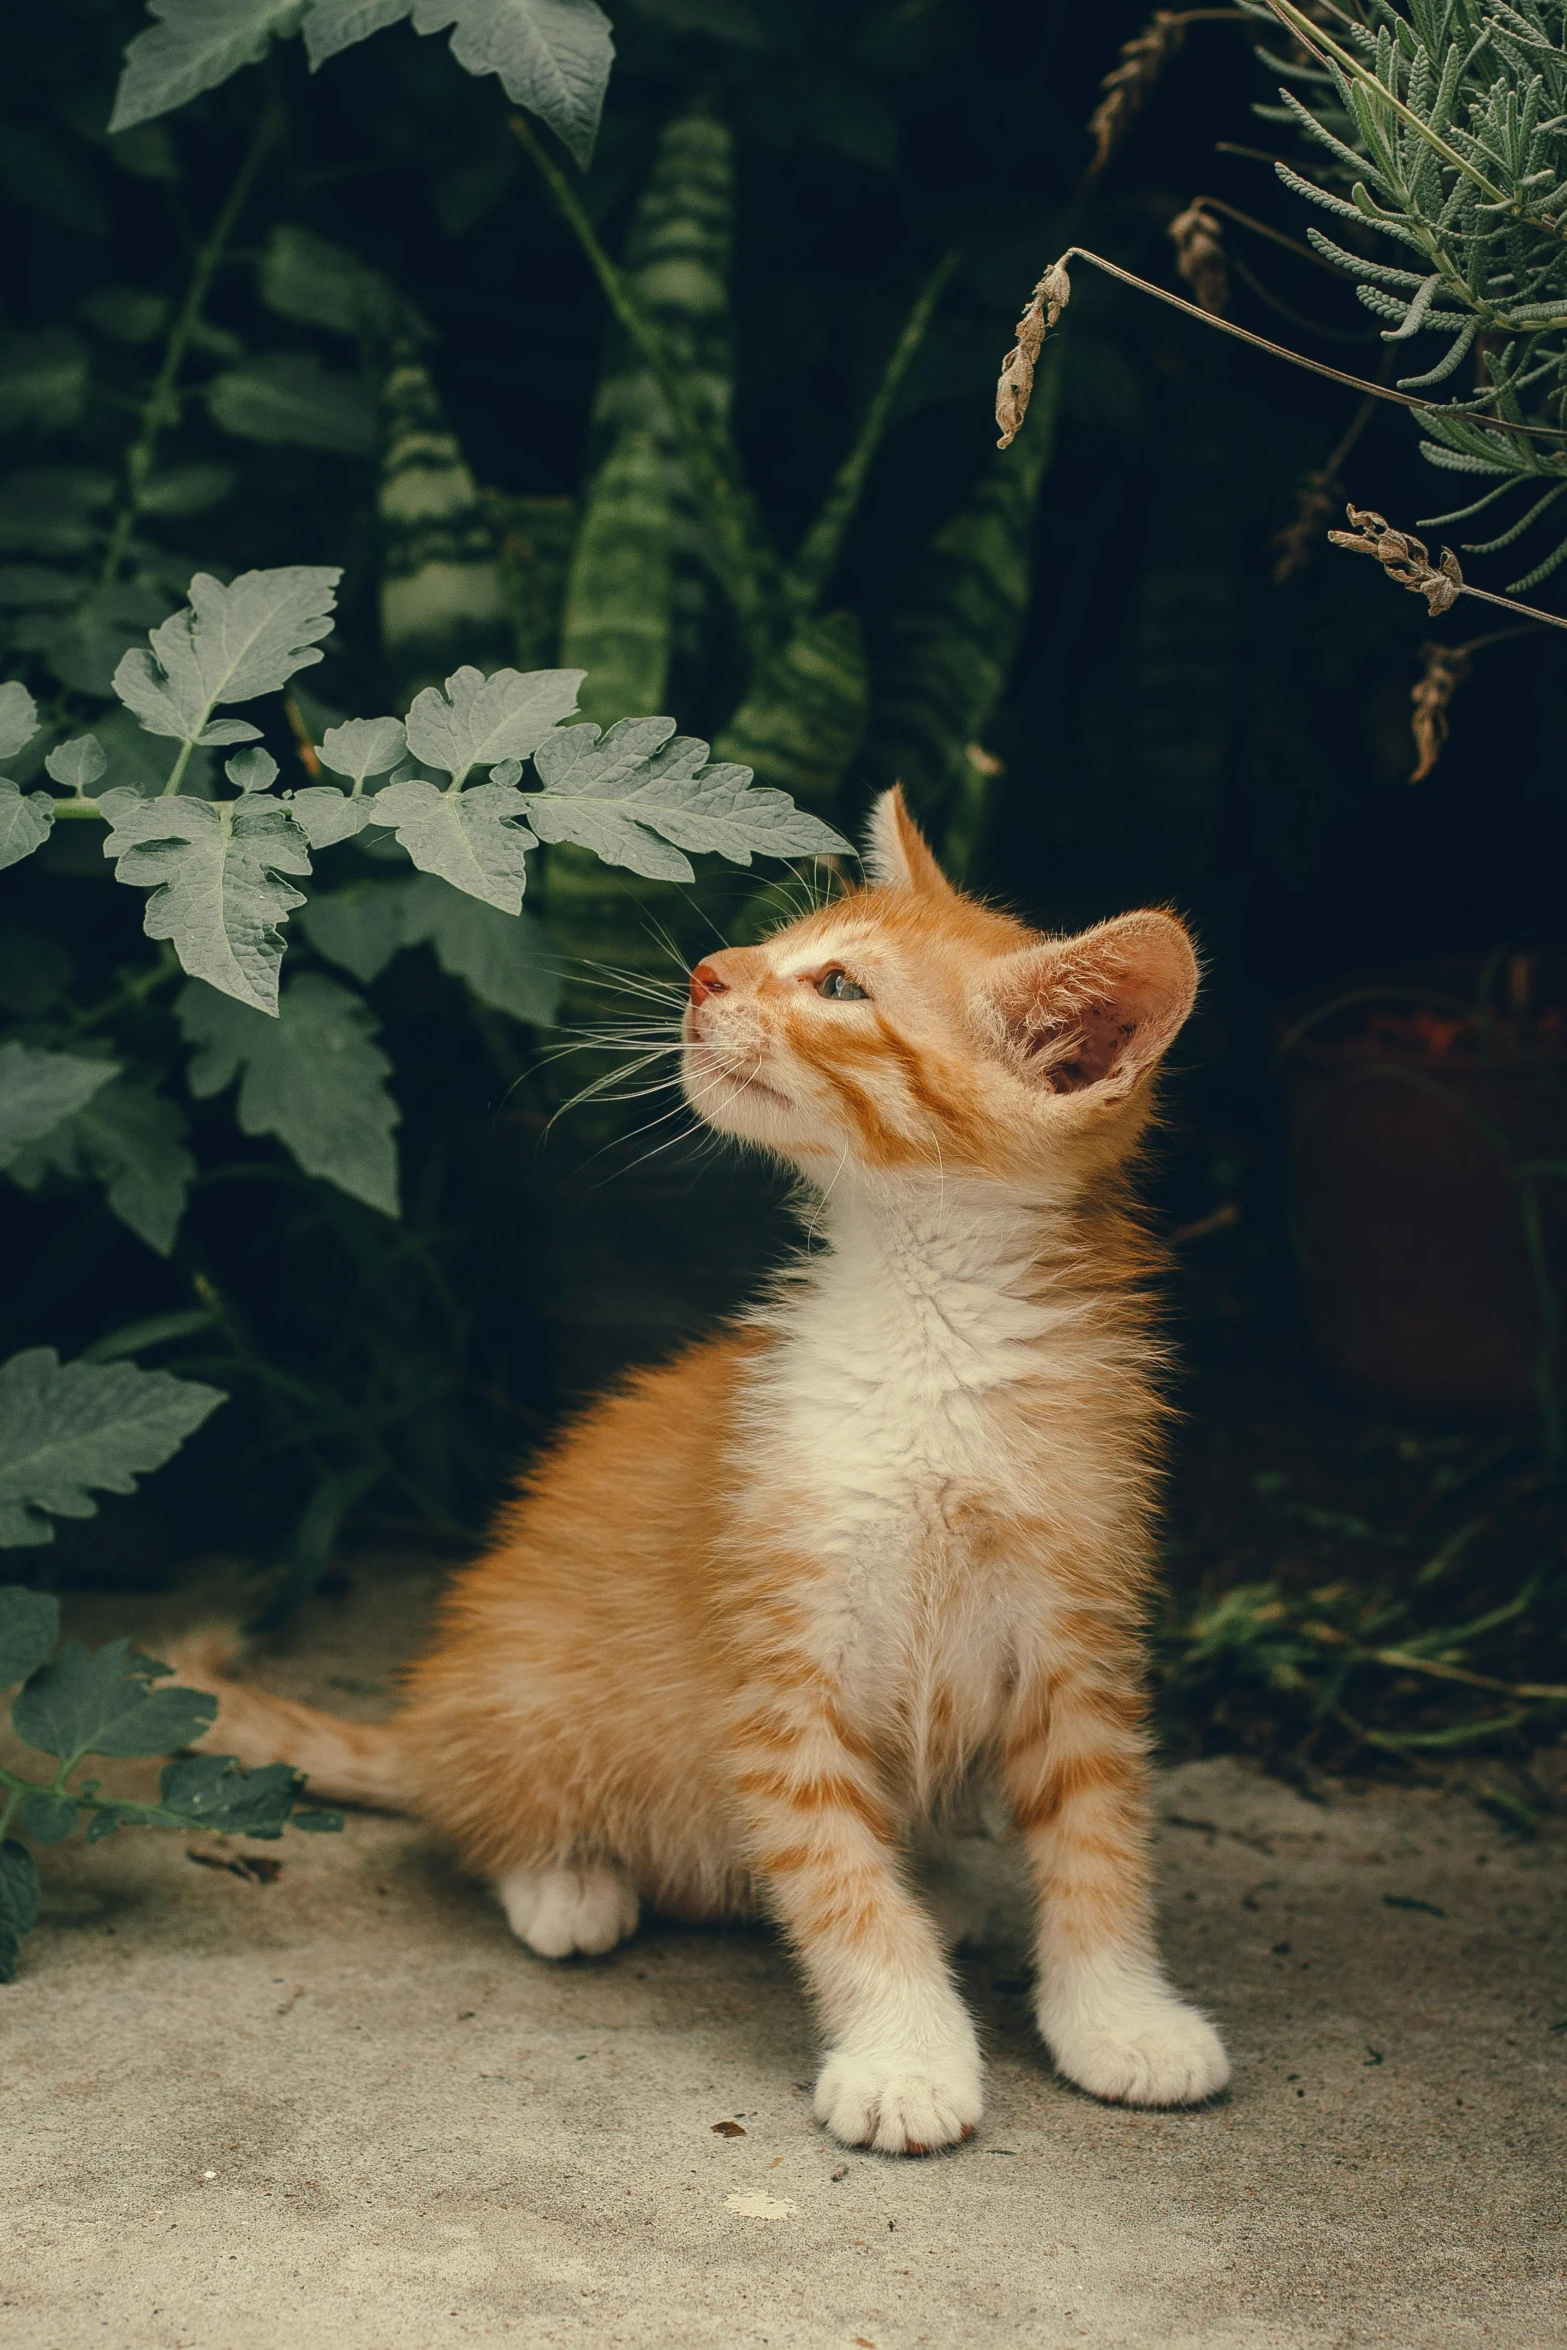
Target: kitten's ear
x=1098, y=1010
x=896, y=852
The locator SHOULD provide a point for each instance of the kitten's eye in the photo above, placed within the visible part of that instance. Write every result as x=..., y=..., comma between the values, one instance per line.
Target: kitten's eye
x=839, y=988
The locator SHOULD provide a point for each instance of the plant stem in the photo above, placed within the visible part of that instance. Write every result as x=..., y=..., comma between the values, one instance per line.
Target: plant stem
x=740, y=561
x=134, y=991
x=1356, y=383
x=161, y=407
x=814, y=564
x=18, y=1790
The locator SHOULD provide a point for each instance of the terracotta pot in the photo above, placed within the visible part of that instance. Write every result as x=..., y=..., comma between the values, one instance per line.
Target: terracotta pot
x=1419, y=1099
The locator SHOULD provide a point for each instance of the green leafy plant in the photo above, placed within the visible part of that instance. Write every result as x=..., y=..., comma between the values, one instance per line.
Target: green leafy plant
x=77, y=1703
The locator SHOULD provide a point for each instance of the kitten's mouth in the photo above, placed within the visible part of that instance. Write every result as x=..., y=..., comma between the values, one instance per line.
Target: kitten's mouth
x=712, y=1079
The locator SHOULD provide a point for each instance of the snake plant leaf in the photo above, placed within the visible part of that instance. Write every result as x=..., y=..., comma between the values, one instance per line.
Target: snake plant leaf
x=480, y=721
x=536, y=536
x=230, y=644
x=952, y=642
x=69, y=1429
x=477, y=839
x=552, y=56
x=18, y=718
x=39, y=1090
x=29, y=1628
x=289, y=398
x=193, y=46
x=314, y=1077
x=214, y=869
x=442, y=599
x=618, y=612
x=804, y=717
x=25, y=818
x=130, y=1139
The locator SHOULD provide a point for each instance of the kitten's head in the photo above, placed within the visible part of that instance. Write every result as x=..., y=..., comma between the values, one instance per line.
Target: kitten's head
x=906, y=1026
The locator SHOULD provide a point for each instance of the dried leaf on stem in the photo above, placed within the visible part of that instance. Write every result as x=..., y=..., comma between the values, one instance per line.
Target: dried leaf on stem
x=1443, y=670
x=1045, y=305
x=1198, y=239
x=1403, y=557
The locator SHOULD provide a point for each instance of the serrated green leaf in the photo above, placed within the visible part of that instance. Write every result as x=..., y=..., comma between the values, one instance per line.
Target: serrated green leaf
x=29, y=1628
x=130, y=1139
x=38, y=1090
x=361, y=928
x=102, y=1823
x=43, y=378
x=25, y=819
x=476, y=839
x=18, y=1904
x=288, y=397
x=18, y=718
x=213, y=869
x=100, y=1701
x=552, y=56
x=213, y=1792
x=231, y=644
x=504, y=960
x=193, y=46
x=252, y=770
x=325, y=816
x=480, y=721
x=361, y=747
x=67, y=1428
x=315, y=1078
x=48, y=1819
x=628, y=794
x=78, y=764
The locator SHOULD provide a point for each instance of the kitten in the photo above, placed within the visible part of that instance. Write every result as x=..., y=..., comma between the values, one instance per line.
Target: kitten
x=760, y=1608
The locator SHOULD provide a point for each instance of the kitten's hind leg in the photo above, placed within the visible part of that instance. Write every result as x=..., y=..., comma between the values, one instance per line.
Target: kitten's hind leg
x=561, y=1911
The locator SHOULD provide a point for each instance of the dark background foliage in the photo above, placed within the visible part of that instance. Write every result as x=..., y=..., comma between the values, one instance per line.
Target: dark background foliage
x=1177, y=729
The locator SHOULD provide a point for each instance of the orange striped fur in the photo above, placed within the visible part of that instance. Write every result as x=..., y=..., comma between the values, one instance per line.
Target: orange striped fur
x=761, y=1611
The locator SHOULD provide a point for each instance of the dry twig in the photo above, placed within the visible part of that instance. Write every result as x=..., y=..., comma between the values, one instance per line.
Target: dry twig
x=1199, y=257
x=1045, y=305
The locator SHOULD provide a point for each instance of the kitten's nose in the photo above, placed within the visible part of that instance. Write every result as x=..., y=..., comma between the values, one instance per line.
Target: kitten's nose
x=705, y=982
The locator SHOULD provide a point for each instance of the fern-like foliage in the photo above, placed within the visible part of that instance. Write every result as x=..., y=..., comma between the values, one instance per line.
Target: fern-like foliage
x=1442, y=125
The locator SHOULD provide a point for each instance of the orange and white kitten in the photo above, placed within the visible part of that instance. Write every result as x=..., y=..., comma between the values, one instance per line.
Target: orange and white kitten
x=759, y=1610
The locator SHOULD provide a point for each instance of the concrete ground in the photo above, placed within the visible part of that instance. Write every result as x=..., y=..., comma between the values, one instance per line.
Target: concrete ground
x=345, y=2111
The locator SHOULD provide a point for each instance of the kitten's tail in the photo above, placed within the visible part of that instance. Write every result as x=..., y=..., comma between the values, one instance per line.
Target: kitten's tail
x=344, y=1762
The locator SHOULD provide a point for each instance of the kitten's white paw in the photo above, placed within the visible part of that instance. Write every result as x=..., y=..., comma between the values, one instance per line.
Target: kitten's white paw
x=900, y=2104
x=1122, y=2034
x=561, y=1911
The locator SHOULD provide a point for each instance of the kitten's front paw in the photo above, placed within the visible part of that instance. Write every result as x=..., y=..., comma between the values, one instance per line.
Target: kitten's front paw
x=1133, y=2042
x=560, y=1912
x=899, y=2104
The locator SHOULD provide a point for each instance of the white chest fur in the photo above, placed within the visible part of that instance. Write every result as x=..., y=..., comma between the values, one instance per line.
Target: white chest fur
x=886, y=1408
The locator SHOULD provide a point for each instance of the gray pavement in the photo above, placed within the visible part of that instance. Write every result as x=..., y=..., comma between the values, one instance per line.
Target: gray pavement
x=346, y=2110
